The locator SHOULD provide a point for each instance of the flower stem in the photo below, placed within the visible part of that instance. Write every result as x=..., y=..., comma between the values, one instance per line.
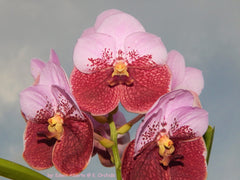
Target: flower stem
x=116, y=156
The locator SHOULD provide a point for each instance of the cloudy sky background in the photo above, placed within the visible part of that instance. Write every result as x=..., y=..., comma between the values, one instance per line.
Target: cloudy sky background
x=206, y=33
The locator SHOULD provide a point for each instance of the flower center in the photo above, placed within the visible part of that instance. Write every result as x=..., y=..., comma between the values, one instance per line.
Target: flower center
x=120, y=68
x=166, y=149
x=55, y=127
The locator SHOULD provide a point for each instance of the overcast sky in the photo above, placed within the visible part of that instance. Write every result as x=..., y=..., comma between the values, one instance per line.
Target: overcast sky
x=206, y=33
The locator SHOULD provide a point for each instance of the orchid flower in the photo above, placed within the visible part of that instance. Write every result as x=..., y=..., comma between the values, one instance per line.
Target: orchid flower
x=169, y=143
x=105, y=154
x=117, y=61
x=57, y=132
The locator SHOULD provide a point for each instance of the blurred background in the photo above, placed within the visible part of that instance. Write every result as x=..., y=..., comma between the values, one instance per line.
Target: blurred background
x=206, y=33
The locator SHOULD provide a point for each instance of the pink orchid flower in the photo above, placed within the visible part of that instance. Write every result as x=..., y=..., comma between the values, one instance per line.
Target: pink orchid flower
x=117, y=61
x=105, y=154
x=57, y=132
x=169, y=143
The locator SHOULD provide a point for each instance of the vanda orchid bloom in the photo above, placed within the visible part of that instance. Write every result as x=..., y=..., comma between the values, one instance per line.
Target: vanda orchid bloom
x=169, y=143
x=117, y=61
x=57, y=132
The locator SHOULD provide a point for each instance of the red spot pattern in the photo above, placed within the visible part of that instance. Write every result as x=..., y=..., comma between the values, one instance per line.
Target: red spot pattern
x=188, y=162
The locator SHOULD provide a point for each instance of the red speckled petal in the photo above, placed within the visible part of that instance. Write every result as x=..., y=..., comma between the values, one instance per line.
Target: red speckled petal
x=127, y=160
x=92, y=92
x=149, y=84
x=193, y=165
x=145, y=166
x=72, y=153
x=37, y=150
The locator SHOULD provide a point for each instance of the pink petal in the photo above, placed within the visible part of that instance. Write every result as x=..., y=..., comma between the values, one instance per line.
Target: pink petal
x=54, y=58
x=148, y=130
x=37, y=150
x=176, y=63
x=156, y=120
x=93, y=52
x=119, y=26
x=143, y=44
x=88, y=31
x=36, y=67
x=105, y=14
x=37, y=104
x=66, y=104
x=193, y=164
x=193, y=80
x=189, y=122
x=92, y=92
x=53, y=74
x=139, y=97
x=171, y=101
x=72, y=154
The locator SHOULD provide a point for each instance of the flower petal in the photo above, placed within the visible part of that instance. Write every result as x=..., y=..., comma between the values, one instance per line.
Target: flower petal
x=53, y=74
x=193, y=80
x=66, y=104
x=156, y=120
x=148, y=130
x=144, y=44
x=54, y=58
x=92, y=92
x=189, y=122
x=105, y=14
x=145, y=166
x=72, y=154
x=37, y=104
x=176, y=63
x=37, y=150
x=188, y=163
x=193, y=164
x=93, y=52
x=139, y=97
x=36, y=67
x=119, y=26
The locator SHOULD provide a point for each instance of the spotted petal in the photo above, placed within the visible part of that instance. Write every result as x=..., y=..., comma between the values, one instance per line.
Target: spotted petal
x=156, y=120
x=139, y=97
x=93, y=52
x=37, y=104
x=146, y=44
x=189, y=162
x=188, y=122
x=37, y=149
x=72, y=154
x=92, y=92
x=66, y=103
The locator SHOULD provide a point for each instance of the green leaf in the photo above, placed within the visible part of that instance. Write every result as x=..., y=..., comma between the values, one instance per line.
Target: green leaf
x=208, y=138
x=13, y=170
